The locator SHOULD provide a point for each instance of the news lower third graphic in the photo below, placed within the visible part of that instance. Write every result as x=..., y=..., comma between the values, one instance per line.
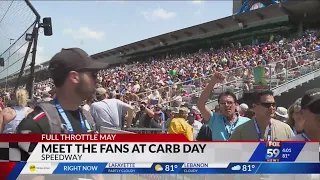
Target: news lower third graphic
x=269, y=157
x=275, y=151
x=171, y=168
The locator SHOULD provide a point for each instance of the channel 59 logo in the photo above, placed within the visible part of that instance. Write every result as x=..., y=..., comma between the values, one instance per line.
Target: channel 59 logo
x=273, y=151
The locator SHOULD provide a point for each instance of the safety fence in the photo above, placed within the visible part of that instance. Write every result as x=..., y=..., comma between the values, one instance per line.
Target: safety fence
x=17, y=21
x=147, y=130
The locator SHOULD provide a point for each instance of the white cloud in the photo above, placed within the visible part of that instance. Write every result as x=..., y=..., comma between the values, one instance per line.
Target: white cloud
x=158, y=13
x=197, y=2
x=40, y=56
x=83, y=33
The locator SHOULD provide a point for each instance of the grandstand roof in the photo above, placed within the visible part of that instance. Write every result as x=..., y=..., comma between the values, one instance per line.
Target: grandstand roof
x=291, y=8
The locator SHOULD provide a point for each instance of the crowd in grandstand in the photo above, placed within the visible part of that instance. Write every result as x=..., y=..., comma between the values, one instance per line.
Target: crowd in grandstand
x=170, y=94
x=163, y=85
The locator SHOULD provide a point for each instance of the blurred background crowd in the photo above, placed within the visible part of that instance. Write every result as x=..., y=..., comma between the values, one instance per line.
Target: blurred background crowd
x=162, y=85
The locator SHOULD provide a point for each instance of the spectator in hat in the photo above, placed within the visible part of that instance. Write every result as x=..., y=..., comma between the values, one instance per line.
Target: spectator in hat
x=196, y=125
x=196, y=113
x=101, y=94
x=174, y=114
x=243, y=108
x=160, y=118
x=74, y=75
x=111, y=112
x=179, y=124
x=295, y=120
x=310, y=110
x=167, y=110
x=175, y=111
x=148, y=114
x=281, y=114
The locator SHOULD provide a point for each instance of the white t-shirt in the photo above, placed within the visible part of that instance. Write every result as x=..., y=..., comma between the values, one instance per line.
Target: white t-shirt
x=196, y=128
x=86, y=107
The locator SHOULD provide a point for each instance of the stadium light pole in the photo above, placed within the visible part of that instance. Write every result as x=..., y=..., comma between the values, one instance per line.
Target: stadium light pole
x=7, y=73
x=30, y=83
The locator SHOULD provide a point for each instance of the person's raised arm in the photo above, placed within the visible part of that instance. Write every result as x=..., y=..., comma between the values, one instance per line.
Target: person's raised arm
x=201, y=104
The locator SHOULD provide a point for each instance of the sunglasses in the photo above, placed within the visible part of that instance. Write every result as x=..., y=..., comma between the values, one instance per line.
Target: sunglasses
x=267, y=105
x=93, y=74
x=226, y=103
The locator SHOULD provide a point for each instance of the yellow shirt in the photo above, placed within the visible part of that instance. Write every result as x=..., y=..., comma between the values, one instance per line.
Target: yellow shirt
x=180, y=126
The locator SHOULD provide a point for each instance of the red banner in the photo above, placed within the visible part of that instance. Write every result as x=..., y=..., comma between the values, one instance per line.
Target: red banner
x=102, y=138
x=93, y=138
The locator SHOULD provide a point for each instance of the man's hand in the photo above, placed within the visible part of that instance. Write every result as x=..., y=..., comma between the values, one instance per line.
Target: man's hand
x=217, y=77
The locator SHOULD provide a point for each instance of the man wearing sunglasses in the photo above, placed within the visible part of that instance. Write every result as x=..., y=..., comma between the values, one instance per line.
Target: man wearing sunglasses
x=263, y=126
x=74, y=75
x=221, y=124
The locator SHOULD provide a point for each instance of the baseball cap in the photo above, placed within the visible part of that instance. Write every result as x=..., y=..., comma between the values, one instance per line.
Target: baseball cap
x=175, y=110
x=184, y=110
x=73, y=59
x=310, y=97
x=244, y=106
x=100, y=92
x=282, y=112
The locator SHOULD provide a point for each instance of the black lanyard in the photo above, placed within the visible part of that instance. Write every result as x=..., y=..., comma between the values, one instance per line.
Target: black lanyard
x=261, y=138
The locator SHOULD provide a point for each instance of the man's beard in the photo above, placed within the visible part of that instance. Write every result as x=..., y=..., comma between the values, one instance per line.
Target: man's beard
x=84, y=90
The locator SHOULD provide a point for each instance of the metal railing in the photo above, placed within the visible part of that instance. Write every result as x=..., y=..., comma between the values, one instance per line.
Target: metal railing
x=311, y=63
x=147, y=130
x=240, y=79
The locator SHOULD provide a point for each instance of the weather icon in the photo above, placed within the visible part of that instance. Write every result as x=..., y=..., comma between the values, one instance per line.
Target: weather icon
x=236, y=168
x=158, y=167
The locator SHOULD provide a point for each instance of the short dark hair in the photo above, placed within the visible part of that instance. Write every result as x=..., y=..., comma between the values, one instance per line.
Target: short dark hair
x=227, y=93
x=261, y=93
x=58, y=80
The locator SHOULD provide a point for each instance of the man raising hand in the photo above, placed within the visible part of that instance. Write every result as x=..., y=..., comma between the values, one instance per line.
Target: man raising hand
x=224, y=123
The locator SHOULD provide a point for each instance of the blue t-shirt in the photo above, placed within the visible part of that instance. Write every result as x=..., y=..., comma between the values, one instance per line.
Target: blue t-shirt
x=221, y=129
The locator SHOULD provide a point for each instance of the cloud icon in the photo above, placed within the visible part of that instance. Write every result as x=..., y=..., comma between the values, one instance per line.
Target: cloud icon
x=158, y=167
x=236, y=168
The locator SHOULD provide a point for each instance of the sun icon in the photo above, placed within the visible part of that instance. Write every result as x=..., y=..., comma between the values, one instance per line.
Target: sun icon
x=32, y=167
x=158, y=167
